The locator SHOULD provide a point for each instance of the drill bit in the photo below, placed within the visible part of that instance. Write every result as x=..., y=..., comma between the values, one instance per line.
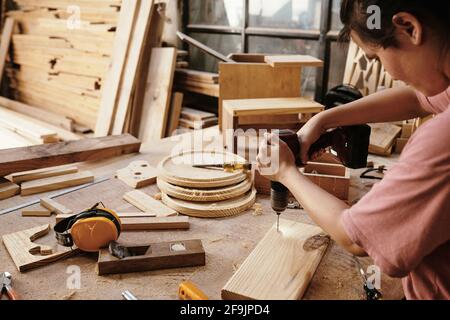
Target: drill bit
x=278, y=221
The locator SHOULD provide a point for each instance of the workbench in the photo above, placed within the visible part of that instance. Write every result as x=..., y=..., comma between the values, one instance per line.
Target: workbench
x=227, y=242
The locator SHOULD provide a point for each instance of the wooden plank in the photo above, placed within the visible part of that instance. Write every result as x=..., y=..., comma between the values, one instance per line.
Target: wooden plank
x=198, y=124
x=37, y=113
x=196, y=115
x=56, y=183
x=138, y=174
x=137, y=215
x=281, y=266
x=8, y=30
x=36, y=212
x=111, y=87
x=41, y=174
x=134, y=56
x=203, y=47
x=154, y=223
x=176, y=105
x=285, y=61
x=28, y=255
x=43, y=156
x=383, y=137
x=146, y=203
x=153, y=256
x=8, y=189
x=55, y=207
x=207, y=77
x=159, y=90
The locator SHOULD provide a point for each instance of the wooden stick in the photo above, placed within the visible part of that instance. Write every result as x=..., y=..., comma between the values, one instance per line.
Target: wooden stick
x=204, y=48
x=55, y=207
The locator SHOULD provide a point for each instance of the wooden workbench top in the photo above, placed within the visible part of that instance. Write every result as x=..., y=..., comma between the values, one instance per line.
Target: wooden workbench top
x=227, y=243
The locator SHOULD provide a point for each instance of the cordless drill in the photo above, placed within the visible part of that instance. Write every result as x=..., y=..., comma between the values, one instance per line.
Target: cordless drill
x=350, y=143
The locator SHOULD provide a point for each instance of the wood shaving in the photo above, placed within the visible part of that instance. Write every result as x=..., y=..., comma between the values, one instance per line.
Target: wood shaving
x=257, y=209
x=157, y=196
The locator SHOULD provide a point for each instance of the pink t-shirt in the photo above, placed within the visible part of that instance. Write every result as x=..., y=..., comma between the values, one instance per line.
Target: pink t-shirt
x=404, y=222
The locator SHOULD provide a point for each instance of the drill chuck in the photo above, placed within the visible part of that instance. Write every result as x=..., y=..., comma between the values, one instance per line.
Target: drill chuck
x=279, y=197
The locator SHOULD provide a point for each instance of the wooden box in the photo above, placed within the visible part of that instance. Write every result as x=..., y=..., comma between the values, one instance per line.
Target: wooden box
x=255, y=76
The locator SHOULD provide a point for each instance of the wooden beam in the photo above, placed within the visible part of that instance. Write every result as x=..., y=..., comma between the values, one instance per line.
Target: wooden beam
x=146, y=203
x=56, y=183
x=8, y=189
x=43, y=156
x=41, y=174
x=36, y=212
x=281, y=266
x=154, y=223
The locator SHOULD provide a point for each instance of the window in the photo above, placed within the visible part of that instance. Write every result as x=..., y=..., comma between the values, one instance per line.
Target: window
x=267, y=26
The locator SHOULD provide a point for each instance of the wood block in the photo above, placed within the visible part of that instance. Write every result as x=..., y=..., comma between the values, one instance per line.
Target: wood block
x=400, y=145
x=37, y=212
x=146, y=203
x=198, y=124
x=407, y=130
x=27, y=255
x=333, y=178
x=138, y=174
x=55, y=207
x=8, y=189
x=154, y=223
x=154, y=256
x=44, y=156
x=56, y=183
x=281, y=266
x=293, y=61
x=383, y=137
x=41, y=174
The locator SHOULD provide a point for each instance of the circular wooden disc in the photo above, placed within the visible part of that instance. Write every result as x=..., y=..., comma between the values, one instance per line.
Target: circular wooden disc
x=218, y=209
x=205, y=195
x=178, y=170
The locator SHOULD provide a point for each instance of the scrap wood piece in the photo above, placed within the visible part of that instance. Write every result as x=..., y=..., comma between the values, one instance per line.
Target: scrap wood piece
x=122, y=215
x=280, y=267
x=43, y=156
x=154, y=223
x=158, y=92
x=31, y=175
x=122, y=40
x=153, y=256
x=219, y=209
x=28, y=255
x=293, y=61
x=131, y=72
x=36, y=212
x=8, y=30
x=146, y=203
x=198, y=124
x=194, y=114
x=8, y=189
x=205, y=195
x=56, y=183
x=383, y=137
x=200, y=76
x=138, y=174
x=176, y=105
x=55, y=207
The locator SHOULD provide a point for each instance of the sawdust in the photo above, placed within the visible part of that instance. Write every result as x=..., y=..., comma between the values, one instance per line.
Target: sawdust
x=236, y=267
x=157, y=196
x=257, y=209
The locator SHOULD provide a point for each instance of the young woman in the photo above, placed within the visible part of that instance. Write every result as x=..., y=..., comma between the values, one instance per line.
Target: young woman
x=403, y=223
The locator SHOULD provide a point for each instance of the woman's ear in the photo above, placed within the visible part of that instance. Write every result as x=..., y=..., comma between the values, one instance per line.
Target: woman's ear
x=409, y=26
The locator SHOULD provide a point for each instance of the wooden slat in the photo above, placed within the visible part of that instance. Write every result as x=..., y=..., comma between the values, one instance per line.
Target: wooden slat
x=41, y=174
x=135, y=53
x=8, y=189
x=175, y=112
x=146, y=203
x=43, y=156
x=158, y=93
x=280, y=267
x=55, y=207
x=111, y=87
x=293, y=61
x=8, y=30
x=56, y=183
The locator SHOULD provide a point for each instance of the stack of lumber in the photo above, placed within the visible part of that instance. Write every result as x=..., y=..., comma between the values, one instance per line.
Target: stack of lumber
x=205, y=83
x=204, y=192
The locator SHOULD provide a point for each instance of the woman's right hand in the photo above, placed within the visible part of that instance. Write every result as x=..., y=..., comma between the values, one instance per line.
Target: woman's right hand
x=308, y=135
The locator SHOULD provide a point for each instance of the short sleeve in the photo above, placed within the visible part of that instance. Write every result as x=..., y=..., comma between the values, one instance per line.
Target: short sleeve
x=406, y=216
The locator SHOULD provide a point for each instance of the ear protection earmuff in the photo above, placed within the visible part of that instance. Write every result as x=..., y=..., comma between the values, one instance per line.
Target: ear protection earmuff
x=89, y=230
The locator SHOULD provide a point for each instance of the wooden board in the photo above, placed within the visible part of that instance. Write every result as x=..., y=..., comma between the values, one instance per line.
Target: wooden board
x=154, y=256
x=226, y=208
x=113, y=79
x=28, y=255
x=138, y=174
x=200, y=76
x=56, y=183
x=198, y=124
x=8, y=189
x=196, y=115
x=41, y=174
x=205, y=195
x=43, y=156
x=146, y=203
x=279, y=268
x=158, y=92
x=8, y=29
x=36, y=212
x=178, y=170
x=55, y=207
x=175, y=112
x=383, y=137
x=293, y=61
x=121, y=215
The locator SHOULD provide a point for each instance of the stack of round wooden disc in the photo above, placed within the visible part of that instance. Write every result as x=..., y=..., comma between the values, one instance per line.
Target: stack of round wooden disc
x=205, y=192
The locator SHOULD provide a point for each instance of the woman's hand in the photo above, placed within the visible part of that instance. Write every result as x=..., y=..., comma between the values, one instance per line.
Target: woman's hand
x=308, y=135
x=275, y=160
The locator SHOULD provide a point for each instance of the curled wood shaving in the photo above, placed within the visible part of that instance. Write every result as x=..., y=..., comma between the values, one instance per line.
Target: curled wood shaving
x=257, y=209
x=157, y=196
